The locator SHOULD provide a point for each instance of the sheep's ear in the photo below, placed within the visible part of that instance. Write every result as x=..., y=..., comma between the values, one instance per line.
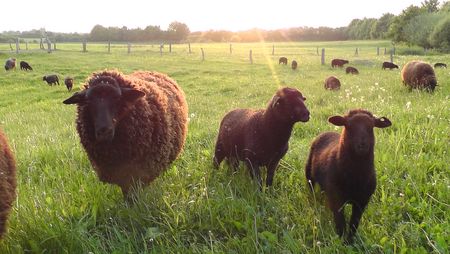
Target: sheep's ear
x=77, y=98
x=275, y=100
x=382, y=122
x=131, y=95
x=337, y=120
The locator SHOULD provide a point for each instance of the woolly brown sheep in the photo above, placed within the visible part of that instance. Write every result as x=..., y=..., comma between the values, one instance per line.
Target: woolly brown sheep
x=440, y=65
x=68, y=81
x=351, y=70
x=332, y=83
x=419, y=75
x=25, y=66
x=343, y=166
x=131, y=126
x=51, y=79
x=260, y=137
x=282, y=60
x=389, y=65
x=294, y=65
x=10, y=64
x=7, y=182
x=338, y=62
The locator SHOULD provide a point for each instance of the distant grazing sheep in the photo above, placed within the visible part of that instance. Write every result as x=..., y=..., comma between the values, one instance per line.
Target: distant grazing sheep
x=68, y=81
x=10, y=64
x=294, y=65
x=51, y=79
x=389, y=65
x=7, y=182
x=343, y=166
x=338, y=62
x=131, y=126
x=332, y=83
x=282, y=60
x=25, y=66
x=260, y=137
x=440, y=65
x=419, y=75
x=351, y=70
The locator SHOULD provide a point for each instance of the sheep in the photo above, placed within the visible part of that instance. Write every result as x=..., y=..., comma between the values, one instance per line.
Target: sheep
x=389, y=65
x=25, y=66
x=419, y=75
x=260, y=137
x=351, y=70
x=10, y=64
x=332, y=83
x=51, y=79
x=343, y=166
x=440, y=65
x=294, y=65
x=131, y=126
x=7, y=182
x=282, y=60
x=338, y=62
x=68, y=81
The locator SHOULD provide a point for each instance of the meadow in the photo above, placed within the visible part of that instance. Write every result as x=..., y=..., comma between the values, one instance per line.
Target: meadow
x=62, y=207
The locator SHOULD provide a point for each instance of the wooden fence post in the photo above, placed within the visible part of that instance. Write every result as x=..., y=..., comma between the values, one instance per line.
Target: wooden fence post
x=26, y=45
x=189, y=44
x=356, y=52
x=273, y=49
x=109, y=47
x=322, y=59
x=385, y=52
x=17, y=46
x=251, y=57
x=203, y=54
x=392, y=56
x=84, y=46
x=129, y=48
x=378, y=51
x=49, y=46
x=170, y=47
x=231, y=49
x=317, y=50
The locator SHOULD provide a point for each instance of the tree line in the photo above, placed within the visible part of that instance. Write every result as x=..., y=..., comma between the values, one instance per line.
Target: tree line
x=427, y=26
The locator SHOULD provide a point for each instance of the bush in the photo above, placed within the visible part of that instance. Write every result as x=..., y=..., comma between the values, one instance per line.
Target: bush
x=440, y=37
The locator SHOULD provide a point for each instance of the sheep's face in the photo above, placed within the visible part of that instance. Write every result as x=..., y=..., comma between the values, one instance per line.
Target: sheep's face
x=289, y=105
x=358, y=131
x=104, y=103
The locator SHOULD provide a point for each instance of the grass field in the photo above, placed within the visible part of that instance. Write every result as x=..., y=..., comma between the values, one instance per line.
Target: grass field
x=63, y=208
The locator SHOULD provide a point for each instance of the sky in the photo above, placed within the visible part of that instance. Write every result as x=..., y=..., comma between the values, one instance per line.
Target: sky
x=200, y=15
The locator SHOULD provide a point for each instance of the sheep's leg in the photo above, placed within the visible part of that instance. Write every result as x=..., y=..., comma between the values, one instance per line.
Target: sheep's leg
x=338, y=214
x=254, y=171
x=357, y=211
x=271, y=172
x=308, y=170
x=218, y=156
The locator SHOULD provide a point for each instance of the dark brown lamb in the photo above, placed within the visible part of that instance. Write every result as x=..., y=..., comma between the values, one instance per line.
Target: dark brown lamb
x=131, y=126
x=332, y=83
x=260, y=137
x=7, y=182
x=419, y=75
x=343, y=166
x=338, y=62
x=294, y=64
x=351, y=70
x=282, y=60
x=389, y=65
x=68, y=81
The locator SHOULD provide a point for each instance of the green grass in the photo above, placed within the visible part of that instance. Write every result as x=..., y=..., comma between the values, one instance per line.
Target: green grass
x=63, y=208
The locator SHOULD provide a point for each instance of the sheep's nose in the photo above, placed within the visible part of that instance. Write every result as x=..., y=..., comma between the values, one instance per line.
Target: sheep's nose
x=104, y=134
x=305, y=116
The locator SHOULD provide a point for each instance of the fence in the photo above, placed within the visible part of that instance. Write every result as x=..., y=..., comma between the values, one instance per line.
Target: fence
x=227, y=49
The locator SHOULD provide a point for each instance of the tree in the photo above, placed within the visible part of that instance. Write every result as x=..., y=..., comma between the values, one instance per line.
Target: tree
x=99, y=33
x=381, y=26
x=440, y=37
x=431, y=5
x=396, y=30
x=419, y=28
x=178, y=31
